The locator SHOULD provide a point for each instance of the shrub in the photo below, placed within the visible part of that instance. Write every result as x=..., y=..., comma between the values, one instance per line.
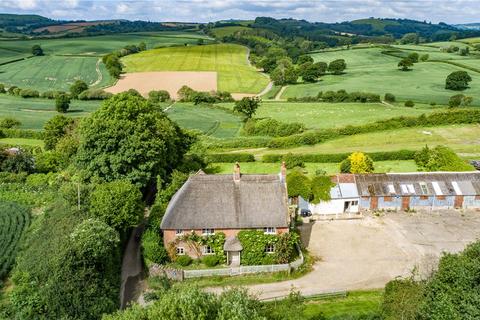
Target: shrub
x=409, y=103
x=94, y=94
x=389, y=97
x=28, y=93
x=78, y=87
x=52, y=94
x=210, y=261
x=62, y=103
x=152, y=246
x=272, y=127
x=2, y=88
x=158, y=96
x=9, y=123
x=293, y=160
x=184, y=260
x=457, y=80
x=440, y=158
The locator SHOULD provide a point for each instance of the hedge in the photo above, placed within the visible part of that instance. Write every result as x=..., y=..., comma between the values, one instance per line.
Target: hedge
x=21, y=133
x=339, y=157
x=230, y=157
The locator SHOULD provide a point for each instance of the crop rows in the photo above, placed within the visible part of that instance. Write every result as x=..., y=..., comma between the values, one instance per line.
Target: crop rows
x=14, y=219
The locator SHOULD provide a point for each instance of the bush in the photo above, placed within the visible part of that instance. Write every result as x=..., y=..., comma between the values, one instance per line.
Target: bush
x=158, y=96
x=230, y=157
x=389, y=97
x=28, y=93
x=62, y=103
x=340, y=96
x=9, y=123
x=409, y=103
x=272, y=127
x=52, y=94
x=94, y=94
x=210, y=261
x=293, y=160
x=184, y=260
x=2, y=88
x=152, y=246
x=338, y=157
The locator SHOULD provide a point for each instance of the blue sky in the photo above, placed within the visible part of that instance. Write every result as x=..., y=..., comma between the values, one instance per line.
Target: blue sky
x=449, y=11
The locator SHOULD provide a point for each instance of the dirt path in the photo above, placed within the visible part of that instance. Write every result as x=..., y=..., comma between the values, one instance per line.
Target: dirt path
x=167, y=108
x=279, y=94
x=388, y=104
x=99, y=73
x=267, y=88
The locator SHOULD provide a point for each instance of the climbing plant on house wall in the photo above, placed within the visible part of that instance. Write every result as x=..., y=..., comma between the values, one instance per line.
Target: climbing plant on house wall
x=195, y=243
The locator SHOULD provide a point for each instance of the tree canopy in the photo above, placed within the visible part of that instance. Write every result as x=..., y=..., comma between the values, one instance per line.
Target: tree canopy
x=337, y=66
x=129, y=138
x=357, y=162
x=78, y=87
x=457, y=80
x=440, y=158
x=37, y=50
x=247, y=106
x=405, y=64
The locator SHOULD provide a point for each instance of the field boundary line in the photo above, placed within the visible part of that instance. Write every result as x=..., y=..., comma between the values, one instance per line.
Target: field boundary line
x=171, y=105
x=279, y=94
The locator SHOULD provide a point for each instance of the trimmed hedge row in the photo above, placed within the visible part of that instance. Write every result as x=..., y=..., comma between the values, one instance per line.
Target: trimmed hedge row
x=21, y=133
x=230, y=157
x=339, y=157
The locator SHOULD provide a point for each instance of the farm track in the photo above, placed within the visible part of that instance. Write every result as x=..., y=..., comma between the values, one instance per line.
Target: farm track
x=99, y=73
x=278, y=96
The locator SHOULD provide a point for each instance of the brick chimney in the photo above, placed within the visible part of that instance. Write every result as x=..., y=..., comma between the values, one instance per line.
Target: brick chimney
x=283, y=172
x=236, y=172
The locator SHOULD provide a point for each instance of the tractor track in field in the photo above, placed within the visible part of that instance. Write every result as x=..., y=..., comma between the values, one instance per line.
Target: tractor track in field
x=99, y=73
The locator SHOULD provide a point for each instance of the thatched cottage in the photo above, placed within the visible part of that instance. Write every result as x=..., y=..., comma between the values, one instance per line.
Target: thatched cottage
x=207, y=204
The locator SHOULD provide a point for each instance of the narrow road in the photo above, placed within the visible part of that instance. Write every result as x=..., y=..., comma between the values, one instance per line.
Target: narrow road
x=132, y=268
x=279, y=94
x=267, y=88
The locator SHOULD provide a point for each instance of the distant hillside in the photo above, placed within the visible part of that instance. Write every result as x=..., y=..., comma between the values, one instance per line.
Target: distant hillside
x=468, y=26
x=21, y=20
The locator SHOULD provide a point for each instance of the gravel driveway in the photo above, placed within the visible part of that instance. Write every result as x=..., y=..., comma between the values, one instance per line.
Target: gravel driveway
x=367, y=253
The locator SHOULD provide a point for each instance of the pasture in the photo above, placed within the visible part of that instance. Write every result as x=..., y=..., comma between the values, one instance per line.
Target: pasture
x=211, y=121
x=230, y=61
x=67, y=60
x=463, y=139
x=14, y=219
x=311, y=168
x=369, y=70
x=227, y=31
x=33, y=113
x=321, y=115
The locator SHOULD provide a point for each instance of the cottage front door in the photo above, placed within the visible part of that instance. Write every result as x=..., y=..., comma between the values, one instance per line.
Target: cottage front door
x=234, y=257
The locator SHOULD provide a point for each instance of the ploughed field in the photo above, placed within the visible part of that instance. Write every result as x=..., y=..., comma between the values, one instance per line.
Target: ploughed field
x=369, y=70
x=67, y=60
x=230, y=61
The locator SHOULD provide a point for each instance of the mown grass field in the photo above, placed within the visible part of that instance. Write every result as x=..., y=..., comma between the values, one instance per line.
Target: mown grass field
x=356, y=304
x=67, y=60
x=463, y=139
x=21, y=142
x=371, y=71
x=311, y=168
x=228, y=60
x=211, y=121
x=330, y=115
x=33, y=113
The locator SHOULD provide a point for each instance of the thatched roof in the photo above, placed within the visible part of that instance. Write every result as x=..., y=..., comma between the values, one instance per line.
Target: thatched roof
x=232, y=244
x=435, y=183
x=219, y=202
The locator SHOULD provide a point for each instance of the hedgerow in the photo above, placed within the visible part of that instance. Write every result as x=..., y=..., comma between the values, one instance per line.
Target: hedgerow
x=339, y=157
x=21, y=133
x=339, y=96
x=271, y=127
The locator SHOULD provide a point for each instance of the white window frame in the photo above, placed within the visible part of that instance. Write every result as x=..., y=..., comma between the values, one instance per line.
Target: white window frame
x=207, y=250
x=391, y=188
x=270, y=248
x=179, y=232
x=208, y=232
x=270, y=230
x=180, y=251
x=424, y=188
x=411, y=188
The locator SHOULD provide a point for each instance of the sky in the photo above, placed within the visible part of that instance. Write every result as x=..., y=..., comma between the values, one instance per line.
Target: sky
x=448, y=11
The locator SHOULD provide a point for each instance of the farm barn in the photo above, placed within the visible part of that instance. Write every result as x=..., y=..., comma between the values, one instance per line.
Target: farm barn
x=402, y=191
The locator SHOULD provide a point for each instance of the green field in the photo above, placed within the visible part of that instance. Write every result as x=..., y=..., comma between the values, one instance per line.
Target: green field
x=329, y=115
x=463, y=139
x=33, y=113
x=67, y=60
x=234, y=74
x=369, y=70
x=471, y=40
x=311, y=168
x=14, y=219
x=211, y=121
x=226, y=31
x=21, y=142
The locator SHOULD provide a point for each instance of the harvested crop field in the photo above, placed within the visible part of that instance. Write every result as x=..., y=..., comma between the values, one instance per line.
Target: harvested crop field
x=170, y=81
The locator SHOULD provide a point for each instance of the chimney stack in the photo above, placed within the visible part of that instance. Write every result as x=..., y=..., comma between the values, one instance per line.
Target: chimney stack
x=236, y=172
x=283, y=172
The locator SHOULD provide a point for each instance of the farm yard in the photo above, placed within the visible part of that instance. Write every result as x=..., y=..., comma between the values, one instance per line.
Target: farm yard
x=368, y=70
x=14, y=220
x=230, y=61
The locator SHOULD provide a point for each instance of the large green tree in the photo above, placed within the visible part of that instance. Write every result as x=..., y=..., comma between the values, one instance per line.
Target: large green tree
x=405, y=64
x=117, y=203
x=130, y=138
x=54, y=129
x=247, y=106
x=337, y=66
x=78, y=87
x=457, y=80
x=440, y=158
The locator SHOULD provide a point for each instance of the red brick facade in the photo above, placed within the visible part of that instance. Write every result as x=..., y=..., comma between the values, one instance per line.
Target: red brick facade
x=170, y=236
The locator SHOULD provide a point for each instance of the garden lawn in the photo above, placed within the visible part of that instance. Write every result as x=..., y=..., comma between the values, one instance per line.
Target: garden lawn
x=33, y=113
x=311, y=168
x=369, y=70
x=234, y=74
x=356, y=304
x=209, y=120
x=463, y=139
x=329, y=115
